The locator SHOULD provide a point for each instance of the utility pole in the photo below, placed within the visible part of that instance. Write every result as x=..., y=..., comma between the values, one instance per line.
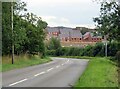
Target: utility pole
x=105, y=46
x=12, y=33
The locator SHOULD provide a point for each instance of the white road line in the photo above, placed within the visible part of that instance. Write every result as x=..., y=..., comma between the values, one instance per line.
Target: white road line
x=62, y=64
x=39, y=74
x=57, y=66
x=18, y=82
x=67, y=61
x=50, y=69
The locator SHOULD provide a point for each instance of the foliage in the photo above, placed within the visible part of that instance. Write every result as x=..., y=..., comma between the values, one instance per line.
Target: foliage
x=101, y=72
x=54, y=44
x=22, y=61
x=92, y=51
x=28, y=35
x=117, y=56
x=108, y=22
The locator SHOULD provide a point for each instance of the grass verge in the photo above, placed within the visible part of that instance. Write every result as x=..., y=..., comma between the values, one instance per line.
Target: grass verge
x=22, y=61
x=77, y=57
x=101, y=72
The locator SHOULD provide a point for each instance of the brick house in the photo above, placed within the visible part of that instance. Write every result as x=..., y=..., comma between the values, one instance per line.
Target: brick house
x=87, y=37
x=69, y=36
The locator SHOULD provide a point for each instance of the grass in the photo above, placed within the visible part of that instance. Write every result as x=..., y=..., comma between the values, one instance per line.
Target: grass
x=77, y=57
x=101, y=72
x=22, y=61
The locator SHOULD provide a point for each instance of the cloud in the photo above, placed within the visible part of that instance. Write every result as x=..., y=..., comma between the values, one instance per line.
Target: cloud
x=53, y=3
x=48, y=2
x=54, y=21
x=70, y=13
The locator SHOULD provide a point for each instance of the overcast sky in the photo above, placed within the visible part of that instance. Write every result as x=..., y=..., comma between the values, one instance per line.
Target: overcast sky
x=70, y=13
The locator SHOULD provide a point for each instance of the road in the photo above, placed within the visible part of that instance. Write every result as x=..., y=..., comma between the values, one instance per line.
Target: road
x=61, y=72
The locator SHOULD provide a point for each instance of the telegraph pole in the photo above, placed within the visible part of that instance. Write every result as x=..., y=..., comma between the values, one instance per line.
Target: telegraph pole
x=105, y=46
x=12, y=33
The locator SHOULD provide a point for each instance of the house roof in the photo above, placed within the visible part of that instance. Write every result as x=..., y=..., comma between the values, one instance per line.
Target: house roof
x=87, y=35
x=63, y=36
x=65, y=30
x=49, y=29
x=76, y=34
x=97, y=37
x=69, y=32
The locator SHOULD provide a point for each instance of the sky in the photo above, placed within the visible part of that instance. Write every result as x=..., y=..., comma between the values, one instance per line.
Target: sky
x=68, y=13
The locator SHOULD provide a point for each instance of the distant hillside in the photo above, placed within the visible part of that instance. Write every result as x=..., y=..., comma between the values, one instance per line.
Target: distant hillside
x=82, y=29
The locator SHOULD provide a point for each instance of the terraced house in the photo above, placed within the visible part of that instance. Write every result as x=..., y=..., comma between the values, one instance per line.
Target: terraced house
x=72, y=37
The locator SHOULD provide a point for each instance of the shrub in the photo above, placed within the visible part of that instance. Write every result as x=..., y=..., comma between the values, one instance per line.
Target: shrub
x=117, y=56
x=51, y=52
x=96, y=50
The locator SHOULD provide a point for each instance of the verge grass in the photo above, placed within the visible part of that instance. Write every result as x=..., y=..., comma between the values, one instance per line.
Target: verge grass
x=77, y=57
x=100, y=72
x=22, y=61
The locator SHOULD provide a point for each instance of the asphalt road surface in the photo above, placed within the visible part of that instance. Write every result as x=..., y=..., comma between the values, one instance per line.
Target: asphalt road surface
x=61, y=72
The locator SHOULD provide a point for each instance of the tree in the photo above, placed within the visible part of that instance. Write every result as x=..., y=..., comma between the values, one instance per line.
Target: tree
x=54, y=44
x=6, y=28
x=28, y=30
x=35, y=34
x=108, y=22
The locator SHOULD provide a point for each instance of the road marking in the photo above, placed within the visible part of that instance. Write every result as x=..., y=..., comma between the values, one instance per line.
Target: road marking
x=57, y=66
x=62, y=64
x=18, y=82
x=50, y=69
x=68, y=61
x=39, y=74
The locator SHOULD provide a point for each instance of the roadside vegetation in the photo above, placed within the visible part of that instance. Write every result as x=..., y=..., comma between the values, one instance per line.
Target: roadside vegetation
x=54, y=49
x=100, y=72
x=27, y=37
x=22, y=61
x=77, y=57
x=103, y=72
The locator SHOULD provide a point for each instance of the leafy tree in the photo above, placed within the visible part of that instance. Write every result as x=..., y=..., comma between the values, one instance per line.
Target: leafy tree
x=108, y=22
x=54, y=44
x=28, y=29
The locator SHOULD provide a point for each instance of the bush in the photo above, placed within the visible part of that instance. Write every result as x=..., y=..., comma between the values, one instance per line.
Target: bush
x=88, y=51
x=51, y=52
x=117, y=56
x=96, y=50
